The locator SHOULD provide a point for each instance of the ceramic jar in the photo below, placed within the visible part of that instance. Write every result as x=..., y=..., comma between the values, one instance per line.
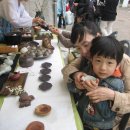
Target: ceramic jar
x=26, y=60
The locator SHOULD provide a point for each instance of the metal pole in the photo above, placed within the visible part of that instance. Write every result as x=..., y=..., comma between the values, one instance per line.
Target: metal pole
x=55, y=12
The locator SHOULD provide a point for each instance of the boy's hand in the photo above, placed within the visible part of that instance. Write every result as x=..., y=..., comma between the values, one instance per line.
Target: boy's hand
x=90, y=83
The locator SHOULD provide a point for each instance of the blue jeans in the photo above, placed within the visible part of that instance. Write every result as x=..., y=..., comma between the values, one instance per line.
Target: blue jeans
x=5, y=27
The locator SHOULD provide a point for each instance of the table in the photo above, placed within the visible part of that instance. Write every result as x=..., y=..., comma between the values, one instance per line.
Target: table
x=60, y=118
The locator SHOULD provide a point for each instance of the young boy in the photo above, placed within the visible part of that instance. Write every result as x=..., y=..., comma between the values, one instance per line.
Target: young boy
x=106, y=54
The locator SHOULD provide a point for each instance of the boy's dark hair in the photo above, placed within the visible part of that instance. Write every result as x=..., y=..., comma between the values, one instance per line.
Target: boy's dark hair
x=108, y=47
x=79, y=30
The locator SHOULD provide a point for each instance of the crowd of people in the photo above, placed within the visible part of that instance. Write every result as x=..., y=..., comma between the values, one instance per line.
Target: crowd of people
x=103, y=12
x=99, y=79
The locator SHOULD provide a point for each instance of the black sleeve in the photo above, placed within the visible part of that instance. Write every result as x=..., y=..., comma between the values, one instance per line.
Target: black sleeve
x=83, y=4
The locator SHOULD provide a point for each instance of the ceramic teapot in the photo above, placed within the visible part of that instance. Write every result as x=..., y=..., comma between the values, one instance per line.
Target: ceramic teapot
x=26, y=60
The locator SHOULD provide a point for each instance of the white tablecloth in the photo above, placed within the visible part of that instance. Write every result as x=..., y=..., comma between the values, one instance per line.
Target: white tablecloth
x=60, y=118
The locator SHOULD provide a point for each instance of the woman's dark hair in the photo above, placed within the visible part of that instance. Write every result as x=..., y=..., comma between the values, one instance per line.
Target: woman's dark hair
x=79, y=30
x=108, y=47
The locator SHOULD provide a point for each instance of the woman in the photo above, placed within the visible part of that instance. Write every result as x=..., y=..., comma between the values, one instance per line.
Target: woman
x=73, y=71
x=108, y=15
x=14, y=15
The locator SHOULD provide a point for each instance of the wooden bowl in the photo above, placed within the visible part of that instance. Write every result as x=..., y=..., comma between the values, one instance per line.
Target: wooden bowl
x=43, y=110
x=35, y=125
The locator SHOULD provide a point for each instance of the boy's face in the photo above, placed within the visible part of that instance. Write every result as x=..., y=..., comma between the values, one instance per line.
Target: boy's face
x=103, y=67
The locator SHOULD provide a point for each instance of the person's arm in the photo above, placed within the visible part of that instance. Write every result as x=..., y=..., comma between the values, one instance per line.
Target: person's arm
x=70, y=69
x=63, y=36
x=66, y=34
x=122, y=100
x=16, y=15
x=117, y=85
x=65, y=41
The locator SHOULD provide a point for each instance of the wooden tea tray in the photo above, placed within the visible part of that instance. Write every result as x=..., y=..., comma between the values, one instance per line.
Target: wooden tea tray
x=21, y=81
x=14, y=84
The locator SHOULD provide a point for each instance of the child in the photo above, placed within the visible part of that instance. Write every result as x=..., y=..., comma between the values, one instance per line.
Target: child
x=106, y=54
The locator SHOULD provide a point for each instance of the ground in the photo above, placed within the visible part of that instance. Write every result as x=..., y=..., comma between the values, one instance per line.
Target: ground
x=122, y=23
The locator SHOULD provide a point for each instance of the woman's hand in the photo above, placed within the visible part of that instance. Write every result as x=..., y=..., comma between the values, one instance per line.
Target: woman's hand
x=78, y=79
x=38, y=20
x=54, y=30
x=101, y=94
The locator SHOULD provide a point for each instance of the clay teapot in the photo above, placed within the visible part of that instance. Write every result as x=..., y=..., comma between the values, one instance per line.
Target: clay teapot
x=26, y=60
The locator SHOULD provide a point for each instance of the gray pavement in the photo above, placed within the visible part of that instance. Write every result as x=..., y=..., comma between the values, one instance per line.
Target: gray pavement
x=122, y=23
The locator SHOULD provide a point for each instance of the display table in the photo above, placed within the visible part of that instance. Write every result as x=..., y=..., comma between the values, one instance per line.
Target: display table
x=61, y=116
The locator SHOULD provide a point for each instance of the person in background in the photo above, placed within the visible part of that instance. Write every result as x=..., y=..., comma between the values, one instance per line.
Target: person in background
x=13, y=15
x=63, y=36
x=67, y=38
x=108, y=10
x=85, y=7
x=81, y=5
x=104, y=67
x=73, y=72
x=71, y=5
x=61, y=9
